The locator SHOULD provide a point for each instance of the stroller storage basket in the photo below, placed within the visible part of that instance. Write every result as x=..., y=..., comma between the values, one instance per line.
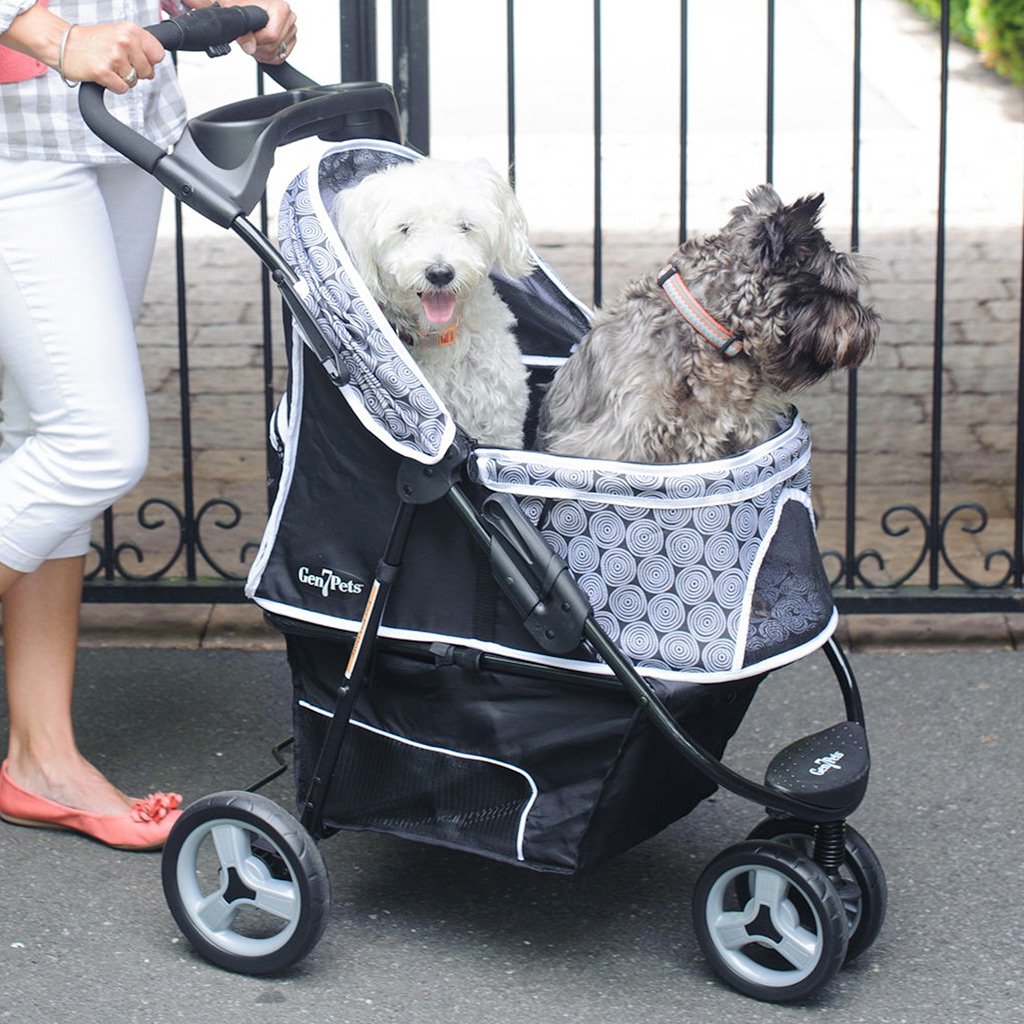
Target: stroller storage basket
x=554, y=772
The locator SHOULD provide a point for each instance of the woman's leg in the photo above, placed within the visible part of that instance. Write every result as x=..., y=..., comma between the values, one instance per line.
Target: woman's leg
x=41, y=614
x=75, y=439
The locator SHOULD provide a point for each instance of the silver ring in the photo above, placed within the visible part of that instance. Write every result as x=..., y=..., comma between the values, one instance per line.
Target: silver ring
x=282, y=50
x=131, y=78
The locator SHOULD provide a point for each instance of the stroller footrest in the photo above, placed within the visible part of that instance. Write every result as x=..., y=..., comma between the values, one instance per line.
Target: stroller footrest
x=828, y=769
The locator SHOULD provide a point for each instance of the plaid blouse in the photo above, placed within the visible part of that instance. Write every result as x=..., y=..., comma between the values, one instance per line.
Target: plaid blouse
x=39, y=118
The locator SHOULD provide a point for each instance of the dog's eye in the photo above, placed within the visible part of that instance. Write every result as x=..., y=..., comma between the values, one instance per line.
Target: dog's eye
x=403, y=229
x=465, y=227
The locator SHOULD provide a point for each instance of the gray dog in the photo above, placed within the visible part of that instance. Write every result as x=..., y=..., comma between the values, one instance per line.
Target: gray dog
x=694, y=363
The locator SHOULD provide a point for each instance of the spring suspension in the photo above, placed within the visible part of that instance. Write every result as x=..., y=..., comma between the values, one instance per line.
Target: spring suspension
x=830, y=846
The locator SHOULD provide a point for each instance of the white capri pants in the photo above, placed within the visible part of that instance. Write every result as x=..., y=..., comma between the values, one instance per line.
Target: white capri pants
x=76, y=242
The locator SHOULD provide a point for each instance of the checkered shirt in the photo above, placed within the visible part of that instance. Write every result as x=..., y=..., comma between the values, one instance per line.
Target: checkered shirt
x=39, y=118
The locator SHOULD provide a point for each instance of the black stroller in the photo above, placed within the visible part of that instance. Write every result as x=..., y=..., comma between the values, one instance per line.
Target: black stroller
x=534, y=658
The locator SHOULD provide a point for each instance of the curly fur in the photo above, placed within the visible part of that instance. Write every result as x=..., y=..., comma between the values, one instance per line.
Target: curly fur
x=643, y=386
x=424, y=236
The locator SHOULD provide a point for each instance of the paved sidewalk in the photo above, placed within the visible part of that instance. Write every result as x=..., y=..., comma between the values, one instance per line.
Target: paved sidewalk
x=420, y=935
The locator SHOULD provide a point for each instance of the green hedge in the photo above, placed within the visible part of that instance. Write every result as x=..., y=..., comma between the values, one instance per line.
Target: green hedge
x=994, y=27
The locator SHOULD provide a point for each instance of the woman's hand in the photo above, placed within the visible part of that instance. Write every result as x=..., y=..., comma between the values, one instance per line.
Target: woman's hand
x=116, y=55
x=273, y=42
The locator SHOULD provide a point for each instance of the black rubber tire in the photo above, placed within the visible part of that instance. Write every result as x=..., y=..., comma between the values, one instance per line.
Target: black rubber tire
x=809, y=908
x=862, y=867
x=262, y=858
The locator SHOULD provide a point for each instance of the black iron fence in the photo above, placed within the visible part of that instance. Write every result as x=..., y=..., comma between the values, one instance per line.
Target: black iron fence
x=919, y=457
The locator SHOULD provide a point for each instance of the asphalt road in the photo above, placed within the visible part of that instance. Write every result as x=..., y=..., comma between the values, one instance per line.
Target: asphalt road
x=424, y=935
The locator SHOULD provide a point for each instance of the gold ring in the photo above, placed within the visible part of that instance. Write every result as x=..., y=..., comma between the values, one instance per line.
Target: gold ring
x=282, y=50
x=131, y=78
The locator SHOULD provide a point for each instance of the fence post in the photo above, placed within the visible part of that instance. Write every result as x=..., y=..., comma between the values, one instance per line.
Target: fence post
x=411, y=72
x=358, y=22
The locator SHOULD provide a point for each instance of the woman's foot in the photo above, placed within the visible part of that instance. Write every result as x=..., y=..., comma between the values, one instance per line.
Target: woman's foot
x=129, y=825
x=74, y=782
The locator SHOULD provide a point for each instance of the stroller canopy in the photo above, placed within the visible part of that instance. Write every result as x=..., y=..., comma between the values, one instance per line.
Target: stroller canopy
x=386, y=390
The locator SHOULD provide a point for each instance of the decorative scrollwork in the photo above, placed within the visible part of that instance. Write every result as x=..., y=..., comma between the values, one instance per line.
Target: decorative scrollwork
x=151, y=524
x=933, y=540
x=892, y=529
x=975, y=528
x=92, y=575
x=111, y=559
x=236, y=518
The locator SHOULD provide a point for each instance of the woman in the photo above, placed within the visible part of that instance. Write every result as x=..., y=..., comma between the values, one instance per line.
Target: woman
x=77, y=230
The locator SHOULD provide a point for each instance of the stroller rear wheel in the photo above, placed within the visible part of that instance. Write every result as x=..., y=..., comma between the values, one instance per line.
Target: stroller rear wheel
x=769, y=921
x=245, y=883
x=864, y=891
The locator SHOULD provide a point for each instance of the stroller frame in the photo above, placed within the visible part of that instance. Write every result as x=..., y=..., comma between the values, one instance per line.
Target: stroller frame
x=220, y=169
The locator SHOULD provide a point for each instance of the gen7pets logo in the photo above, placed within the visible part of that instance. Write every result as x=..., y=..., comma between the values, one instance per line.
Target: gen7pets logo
x=824, y=764
x=327, y=581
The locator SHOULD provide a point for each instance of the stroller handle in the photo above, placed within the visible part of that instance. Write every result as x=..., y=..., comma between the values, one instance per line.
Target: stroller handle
x=201, y=29
x=209, y=26
x=220, y=165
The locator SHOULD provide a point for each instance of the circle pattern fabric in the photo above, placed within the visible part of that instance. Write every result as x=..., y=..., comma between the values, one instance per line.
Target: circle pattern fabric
x=668, y=555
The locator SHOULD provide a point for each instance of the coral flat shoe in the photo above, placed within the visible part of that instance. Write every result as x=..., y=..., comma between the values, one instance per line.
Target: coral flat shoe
x=143, y=826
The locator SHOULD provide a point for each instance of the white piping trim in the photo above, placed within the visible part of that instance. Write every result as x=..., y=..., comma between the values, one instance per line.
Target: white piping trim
x=544, y=360
x=728, y=464
x=529, y=657
x=483, y=466
x=520, y=831
x=290, y=439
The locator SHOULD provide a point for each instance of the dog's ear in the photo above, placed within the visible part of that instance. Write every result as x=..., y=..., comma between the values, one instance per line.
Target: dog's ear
x=512, y=253
x=825, y=330
x=355, y=224
x=788, y=236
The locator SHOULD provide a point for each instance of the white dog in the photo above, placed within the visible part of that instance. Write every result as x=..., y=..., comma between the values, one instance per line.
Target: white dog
x=424, y=235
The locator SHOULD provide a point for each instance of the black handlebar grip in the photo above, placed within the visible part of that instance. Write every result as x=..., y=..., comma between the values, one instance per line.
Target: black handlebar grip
x=208, y=26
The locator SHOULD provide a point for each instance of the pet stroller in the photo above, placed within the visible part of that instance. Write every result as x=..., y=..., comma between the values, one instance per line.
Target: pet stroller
x=534, y=658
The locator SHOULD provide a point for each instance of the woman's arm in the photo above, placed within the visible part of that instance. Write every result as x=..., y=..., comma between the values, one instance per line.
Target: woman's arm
x=91, y=53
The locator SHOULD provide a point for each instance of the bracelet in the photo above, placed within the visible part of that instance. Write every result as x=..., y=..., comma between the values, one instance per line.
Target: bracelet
x=60, y=57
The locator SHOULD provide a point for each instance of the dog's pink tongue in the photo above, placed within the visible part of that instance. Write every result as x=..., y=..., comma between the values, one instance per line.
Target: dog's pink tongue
x=438, y=307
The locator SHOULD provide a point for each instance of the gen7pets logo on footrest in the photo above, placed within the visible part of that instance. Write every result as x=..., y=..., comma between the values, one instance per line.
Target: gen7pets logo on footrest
x=823, y=764
x=327, y=581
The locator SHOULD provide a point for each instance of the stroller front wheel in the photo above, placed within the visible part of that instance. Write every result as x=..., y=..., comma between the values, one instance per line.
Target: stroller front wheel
x=769, y=921
x=864, y=892
x=245, y=883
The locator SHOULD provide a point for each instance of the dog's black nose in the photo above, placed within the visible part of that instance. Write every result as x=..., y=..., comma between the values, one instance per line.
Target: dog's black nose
x=440, y=274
